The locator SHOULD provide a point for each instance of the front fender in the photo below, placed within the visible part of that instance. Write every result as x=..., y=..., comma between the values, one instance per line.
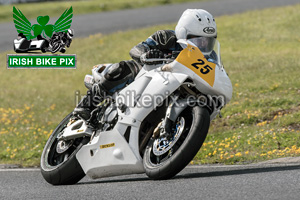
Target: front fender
x=178, y=106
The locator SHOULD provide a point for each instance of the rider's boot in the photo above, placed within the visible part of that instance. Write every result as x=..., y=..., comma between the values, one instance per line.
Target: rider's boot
x=85, y=107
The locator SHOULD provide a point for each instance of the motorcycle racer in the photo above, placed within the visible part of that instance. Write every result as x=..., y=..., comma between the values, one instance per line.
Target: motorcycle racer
x=195, y=25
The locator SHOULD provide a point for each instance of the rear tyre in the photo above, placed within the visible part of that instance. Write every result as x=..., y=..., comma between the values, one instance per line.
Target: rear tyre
x=59, y=165
x=163, y=160
x=43, y=47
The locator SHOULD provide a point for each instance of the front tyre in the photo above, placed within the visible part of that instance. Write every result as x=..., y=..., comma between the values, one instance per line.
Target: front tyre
x=55, y=47
x=164, y=158
x=59, y=165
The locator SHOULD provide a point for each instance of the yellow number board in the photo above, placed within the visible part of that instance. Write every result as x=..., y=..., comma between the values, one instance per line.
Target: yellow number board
x=192, y=58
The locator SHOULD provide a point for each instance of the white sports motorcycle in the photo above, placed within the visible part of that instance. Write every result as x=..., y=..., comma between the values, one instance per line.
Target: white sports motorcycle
x=155, y=125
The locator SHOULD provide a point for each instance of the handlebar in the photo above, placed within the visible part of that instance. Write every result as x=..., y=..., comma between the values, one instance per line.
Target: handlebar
x=151, y=60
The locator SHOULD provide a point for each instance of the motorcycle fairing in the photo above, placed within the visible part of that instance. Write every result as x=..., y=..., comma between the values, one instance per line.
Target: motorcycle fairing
x=109, y=154
x=217, y=83
x=193, y=59
x=122, y=157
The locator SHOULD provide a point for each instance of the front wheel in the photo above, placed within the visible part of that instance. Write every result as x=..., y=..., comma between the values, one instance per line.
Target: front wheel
x=55, y=47
x=164, y=157
x=59, y=165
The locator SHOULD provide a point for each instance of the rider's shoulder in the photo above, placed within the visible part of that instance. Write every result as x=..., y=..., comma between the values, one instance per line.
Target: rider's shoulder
x=164, y=39
x=164, y=33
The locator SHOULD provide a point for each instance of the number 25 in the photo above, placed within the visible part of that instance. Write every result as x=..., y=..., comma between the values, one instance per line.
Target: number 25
x=206, y=69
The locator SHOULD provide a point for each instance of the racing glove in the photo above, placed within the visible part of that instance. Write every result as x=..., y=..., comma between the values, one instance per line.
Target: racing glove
x=153, y=53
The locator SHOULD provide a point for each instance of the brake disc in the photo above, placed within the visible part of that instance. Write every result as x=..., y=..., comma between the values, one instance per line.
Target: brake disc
x=163, y=144
x=63, y=146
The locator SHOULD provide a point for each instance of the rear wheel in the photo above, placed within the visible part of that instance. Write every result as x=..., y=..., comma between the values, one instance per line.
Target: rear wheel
x=59, y=165
x=166, y=156
x=43, y=47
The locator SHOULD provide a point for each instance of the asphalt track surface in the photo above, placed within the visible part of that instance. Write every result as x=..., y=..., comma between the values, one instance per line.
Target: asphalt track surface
x=276, y=181
x=264, y=181
x=108, y=22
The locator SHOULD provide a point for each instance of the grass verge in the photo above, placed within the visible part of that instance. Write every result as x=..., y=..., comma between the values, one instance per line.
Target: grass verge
x=32, y=10
x=260, y=54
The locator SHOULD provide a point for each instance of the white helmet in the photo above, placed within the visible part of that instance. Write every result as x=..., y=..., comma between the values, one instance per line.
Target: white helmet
x=200, y=27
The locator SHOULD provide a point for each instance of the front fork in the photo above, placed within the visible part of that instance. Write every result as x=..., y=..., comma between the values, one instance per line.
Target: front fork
x=176, y=107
